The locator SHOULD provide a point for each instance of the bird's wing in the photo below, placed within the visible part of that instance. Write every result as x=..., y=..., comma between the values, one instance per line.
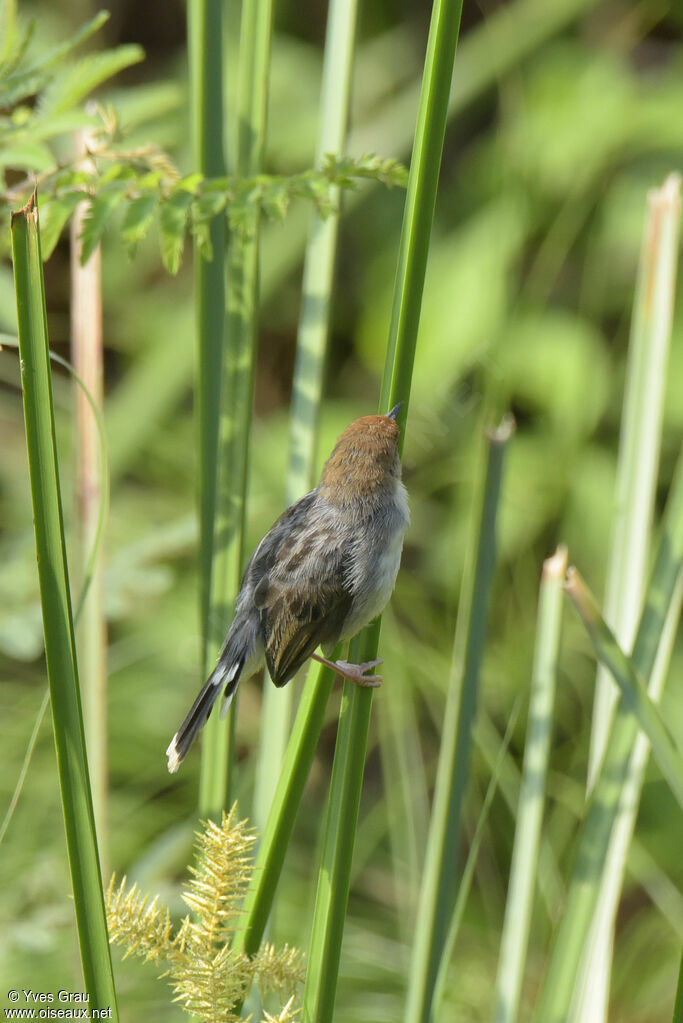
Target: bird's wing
x=295, y=623
x=298, y=587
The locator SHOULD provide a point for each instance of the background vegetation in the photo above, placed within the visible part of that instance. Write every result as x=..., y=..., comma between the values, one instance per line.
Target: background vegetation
x=561, y=123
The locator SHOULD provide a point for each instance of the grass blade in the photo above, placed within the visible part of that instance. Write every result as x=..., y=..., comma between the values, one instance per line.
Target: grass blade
x=437, y=896
x=524, y=868
x=634, y=693
x=621, y=844
x=335, y=871
x=640, y=440
x=635, y=495
x=57, y=616
x=594, y=838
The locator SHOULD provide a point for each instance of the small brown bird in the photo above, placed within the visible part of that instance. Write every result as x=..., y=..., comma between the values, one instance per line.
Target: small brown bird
x=323, y=571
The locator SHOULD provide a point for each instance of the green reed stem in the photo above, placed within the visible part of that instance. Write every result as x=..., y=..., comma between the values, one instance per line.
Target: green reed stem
x=278, y=830
x=310, y=357
x=237, y=385
x=524, y=868
x=640, y=439
x=60, y=651
x=439, y=884
x=595, y=834
x=629, y=553
x=354, y=721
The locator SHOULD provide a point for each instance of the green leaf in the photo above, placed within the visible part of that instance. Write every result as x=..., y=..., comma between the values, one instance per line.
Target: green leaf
x=172, y=222
x=74, y=178
x=8, y=30
x=57, y=54
x=27, y=155
x=31, y=80
x=100, y=210
x=21, y=87
x=190, y=183
x=208, y=205
x=14, y=46
x=276, y=201
x=217, y=185
x=341, y=170
x=139, y=216
x=80, y=80
x=201, y=232
x=152, y=180
x=119, y=171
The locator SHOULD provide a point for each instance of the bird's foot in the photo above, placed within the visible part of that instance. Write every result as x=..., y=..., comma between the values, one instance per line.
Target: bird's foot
x=354, y=672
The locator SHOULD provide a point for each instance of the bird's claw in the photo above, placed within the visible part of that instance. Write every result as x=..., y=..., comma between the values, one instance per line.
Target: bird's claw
x=356, y=673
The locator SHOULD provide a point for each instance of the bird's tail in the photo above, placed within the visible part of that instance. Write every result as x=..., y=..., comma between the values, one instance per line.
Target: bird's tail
x=224, y=676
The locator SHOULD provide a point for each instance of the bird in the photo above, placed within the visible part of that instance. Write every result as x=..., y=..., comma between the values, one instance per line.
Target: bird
x=324, y=570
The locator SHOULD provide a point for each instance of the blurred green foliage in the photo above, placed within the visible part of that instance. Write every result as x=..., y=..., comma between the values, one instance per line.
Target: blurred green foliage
x=527, y=305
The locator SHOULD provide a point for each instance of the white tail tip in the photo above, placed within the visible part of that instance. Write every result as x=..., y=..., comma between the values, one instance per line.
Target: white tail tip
x=172, y=754
x=226, y=703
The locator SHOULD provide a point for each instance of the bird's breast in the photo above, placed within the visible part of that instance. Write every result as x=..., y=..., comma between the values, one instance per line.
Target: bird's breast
x=375, y=562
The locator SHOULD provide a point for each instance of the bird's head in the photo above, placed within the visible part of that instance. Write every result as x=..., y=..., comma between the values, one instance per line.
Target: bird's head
x=364, y=464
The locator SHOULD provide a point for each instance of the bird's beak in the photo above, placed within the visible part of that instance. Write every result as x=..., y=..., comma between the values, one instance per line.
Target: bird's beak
x=395, y=411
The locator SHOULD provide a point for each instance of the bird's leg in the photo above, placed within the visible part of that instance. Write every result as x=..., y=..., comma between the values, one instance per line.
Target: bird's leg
x=353, y=672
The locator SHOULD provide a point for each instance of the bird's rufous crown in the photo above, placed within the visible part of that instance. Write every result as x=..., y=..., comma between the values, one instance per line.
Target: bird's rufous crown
x=364, y=462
